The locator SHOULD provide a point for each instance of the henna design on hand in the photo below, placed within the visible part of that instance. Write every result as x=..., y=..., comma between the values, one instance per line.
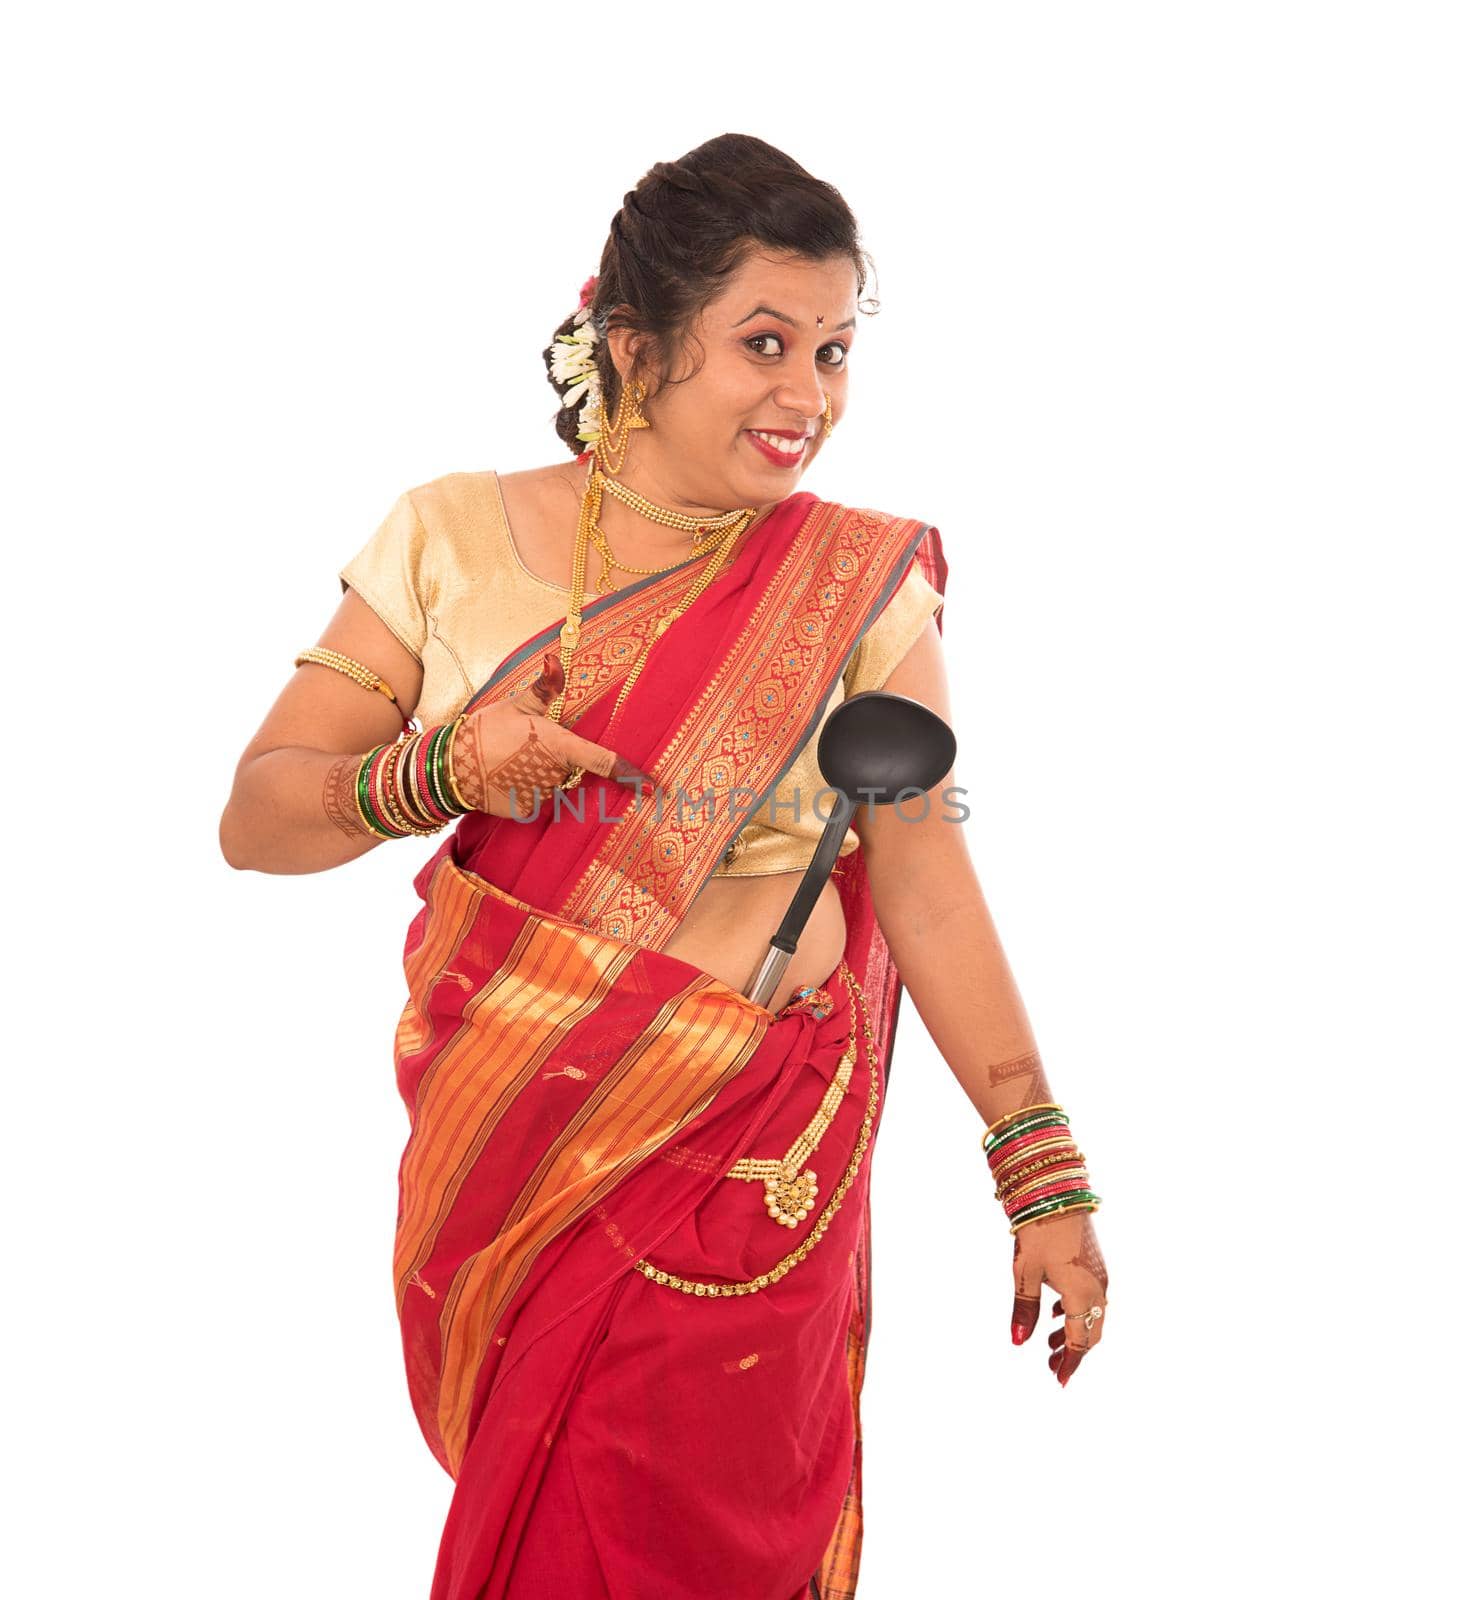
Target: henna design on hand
x=339, y=798
x=1089, y=1256
x=466, y=756
x=529, y=774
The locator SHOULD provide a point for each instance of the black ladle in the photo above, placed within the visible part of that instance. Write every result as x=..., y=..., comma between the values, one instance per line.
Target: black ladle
x=874, y=746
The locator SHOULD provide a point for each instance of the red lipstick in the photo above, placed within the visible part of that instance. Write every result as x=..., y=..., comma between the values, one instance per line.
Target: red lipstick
x=777, y=457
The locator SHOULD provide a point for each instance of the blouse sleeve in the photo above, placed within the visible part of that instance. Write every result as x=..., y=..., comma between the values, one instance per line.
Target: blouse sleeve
x=893, y=632
x=389, y=572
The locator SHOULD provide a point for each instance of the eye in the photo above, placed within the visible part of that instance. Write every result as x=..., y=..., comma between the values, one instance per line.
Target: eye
x=840, y=360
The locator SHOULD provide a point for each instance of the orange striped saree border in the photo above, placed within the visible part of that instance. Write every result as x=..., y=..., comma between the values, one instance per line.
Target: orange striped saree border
x=553, y=976
x=454, y=903
x=747, y=727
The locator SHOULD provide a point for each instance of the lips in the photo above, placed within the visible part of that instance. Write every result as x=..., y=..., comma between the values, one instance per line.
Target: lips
x=775, y=454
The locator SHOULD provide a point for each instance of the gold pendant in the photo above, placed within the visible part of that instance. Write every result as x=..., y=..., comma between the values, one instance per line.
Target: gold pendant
x=791, y=1196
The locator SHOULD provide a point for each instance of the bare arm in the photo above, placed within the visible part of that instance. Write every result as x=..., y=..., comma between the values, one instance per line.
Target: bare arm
x=291, y=808
x=936, y=922
x=935, y=919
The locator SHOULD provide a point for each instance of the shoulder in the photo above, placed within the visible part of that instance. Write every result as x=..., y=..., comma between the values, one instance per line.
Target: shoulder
x=445, y=504
x=910, y=595
x=423, y=545
x=889, y=537
x=909, y=546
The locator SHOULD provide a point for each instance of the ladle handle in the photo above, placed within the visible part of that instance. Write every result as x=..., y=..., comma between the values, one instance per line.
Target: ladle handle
x=768, y=975
x=816, y=876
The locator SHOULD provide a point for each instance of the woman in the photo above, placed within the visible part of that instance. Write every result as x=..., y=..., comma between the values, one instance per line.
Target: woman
x=617, y=662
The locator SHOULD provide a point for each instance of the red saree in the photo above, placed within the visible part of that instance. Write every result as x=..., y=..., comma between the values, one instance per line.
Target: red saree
x=577, y=1097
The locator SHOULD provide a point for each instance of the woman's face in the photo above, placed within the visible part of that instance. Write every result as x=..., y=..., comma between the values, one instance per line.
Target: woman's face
x=774, y=343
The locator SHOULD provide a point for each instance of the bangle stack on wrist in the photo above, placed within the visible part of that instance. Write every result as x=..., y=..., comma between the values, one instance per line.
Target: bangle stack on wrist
x=408, y=787
x=1039, y=1169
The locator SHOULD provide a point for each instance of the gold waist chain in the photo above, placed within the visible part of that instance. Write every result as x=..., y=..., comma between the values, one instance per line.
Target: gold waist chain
x=791, y=1194
x=788, y=1262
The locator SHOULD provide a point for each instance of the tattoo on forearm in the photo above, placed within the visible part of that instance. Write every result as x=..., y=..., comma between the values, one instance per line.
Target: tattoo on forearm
x=339, y=800
x=1029, y=1067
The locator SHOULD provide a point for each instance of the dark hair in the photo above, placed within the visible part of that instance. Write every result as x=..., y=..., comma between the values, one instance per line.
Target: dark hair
x=681, y=233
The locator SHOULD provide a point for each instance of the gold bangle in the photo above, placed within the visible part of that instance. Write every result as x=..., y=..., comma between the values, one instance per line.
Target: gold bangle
x=387, y=782
x=404, y=783
x=369, y=826
x=1057, y=1211
x=1064, y=1141
x=450, y=765
x=1012, y=1116
x=1018, y=1198
x=364, y=677
x=1048, y=1163
x=404, y=790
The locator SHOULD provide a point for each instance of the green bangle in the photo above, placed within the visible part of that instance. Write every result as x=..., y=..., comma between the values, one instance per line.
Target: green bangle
x=439, y=760
x=1055, y=1202
x=1048, y=1119
x=365, y=799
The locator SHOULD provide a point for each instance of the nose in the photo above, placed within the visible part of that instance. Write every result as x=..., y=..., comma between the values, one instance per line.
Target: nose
x=803, y=395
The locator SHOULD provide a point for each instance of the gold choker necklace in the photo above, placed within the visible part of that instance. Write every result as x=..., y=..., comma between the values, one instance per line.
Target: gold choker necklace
x=707, y=531
x=670, y=519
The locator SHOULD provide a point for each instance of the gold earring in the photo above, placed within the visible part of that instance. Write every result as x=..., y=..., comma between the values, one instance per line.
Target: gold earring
x=613, y=441
x=827, y=415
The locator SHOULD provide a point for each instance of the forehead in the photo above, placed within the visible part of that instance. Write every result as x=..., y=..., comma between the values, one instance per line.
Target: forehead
x=800, y=287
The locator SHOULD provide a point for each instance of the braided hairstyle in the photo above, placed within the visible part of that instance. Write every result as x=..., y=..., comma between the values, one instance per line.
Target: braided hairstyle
x=682, y=231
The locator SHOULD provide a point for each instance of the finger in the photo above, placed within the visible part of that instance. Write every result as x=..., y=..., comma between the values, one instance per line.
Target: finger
x=1080, y=1330
x=571, y=748
x=1024, y=1318
x=1055, y=1339
x=607, y=763
x=539, y=694
x=1027, y=1302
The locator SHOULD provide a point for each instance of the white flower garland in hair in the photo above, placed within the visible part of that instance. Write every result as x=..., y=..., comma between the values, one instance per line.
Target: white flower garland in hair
x=573, y=364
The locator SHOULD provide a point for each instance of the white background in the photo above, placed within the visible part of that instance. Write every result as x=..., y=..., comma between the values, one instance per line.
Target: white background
x=1173, y=349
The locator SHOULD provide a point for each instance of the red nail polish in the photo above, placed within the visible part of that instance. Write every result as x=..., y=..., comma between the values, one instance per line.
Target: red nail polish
x=1019, y=1333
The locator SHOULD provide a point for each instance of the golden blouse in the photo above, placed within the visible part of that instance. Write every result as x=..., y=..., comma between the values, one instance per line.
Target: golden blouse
x=445, y=577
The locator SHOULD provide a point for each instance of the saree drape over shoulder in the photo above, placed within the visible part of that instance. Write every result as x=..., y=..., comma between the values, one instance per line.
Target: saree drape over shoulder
x=577, y=1099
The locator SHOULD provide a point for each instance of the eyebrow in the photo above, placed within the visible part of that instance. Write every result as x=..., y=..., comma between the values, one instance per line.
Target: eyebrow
x=791, y=323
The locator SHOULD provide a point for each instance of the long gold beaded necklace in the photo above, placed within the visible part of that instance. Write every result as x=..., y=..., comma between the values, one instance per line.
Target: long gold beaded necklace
x=728, y=527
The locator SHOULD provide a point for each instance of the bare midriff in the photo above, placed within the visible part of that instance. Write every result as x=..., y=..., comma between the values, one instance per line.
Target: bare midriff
x=728, y=929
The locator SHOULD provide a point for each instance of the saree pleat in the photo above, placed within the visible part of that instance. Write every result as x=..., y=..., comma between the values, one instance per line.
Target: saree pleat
x=577, y=1097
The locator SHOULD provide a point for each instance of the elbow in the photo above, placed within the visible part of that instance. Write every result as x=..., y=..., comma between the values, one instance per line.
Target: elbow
x=232, y=845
